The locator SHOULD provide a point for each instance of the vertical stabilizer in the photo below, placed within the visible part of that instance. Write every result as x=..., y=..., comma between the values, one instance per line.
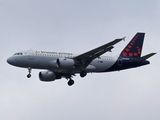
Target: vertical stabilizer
x=134, y=47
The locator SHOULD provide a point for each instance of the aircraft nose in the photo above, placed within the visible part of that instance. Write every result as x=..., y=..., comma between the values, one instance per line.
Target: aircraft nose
x=10, y=60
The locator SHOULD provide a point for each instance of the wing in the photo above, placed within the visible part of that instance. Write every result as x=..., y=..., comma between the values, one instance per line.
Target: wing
x=86, y=58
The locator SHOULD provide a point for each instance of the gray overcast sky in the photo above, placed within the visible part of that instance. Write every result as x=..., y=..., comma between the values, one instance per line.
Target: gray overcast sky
x=78, y=26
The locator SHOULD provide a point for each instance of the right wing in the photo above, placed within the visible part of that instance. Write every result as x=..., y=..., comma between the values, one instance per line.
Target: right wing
x=86, y=58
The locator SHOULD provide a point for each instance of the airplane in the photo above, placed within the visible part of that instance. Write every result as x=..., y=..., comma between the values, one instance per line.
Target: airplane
x=66, y=65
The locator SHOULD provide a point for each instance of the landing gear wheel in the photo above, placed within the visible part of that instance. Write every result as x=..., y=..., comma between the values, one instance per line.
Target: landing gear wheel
x=29, y=75
x=70, y=82
x=83, y=74
x=29, y=70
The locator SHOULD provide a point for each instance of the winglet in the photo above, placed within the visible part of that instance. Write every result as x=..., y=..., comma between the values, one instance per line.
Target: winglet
x=143, y=58
x=124, y=38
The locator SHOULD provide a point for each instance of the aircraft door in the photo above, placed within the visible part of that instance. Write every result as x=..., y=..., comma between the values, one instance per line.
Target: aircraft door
x=120, y=62
x=31, y=55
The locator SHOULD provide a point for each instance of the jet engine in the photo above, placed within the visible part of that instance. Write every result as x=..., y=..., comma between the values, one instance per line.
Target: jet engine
x=65, y=63
x=48, y=76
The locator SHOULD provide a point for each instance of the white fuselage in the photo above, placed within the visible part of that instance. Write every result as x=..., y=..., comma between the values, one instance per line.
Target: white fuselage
x=44, y=60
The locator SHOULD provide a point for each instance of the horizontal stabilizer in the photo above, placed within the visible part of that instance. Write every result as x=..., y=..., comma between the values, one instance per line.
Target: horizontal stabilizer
x=143, y=58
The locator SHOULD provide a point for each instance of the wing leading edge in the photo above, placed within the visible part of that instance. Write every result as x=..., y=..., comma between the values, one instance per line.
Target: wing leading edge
x=86, y=58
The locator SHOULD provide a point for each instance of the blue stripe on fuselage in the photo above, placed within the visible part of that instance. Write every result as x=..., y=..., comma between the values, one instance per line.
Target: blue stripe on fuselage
x=123, y=63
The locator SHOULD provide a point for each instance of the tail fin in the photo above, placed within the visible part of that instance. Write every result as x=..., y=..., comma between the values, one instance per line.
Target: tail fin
x=134, y=47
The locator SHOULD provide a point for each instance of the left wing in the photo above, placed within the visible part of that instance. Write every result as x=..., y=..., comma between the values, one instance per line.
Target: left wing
x=86, y=58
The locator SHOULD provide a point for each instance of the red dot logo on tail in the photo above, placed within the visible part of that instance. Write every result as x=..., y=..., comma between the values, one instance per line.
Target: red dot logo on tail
x=125, y=53
x=130, y=46
x=127, y=49
x=130, y=54
x=135, y=54
x=134, y=47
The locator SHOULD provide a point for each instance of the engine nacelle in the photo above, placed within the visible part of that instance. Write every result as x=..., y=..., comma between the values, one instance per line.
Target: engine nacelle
x=48, y=76
x=65, y=63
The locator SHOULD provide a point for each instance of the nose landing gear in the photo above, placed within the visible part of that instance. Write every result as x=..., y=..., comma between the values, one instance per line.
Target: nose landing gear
x=29, y=70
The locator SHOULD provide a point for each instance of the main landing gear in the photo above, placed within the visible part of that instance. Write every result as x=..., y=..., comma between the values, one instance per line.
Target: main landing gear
x=70, y=82
x=29, y=70
x=69, y=78
x=83, y=73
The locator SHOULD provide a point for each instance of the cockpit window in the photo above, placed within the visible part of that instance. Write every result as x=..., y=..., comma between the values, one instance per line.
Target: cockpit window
x=18, y=54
